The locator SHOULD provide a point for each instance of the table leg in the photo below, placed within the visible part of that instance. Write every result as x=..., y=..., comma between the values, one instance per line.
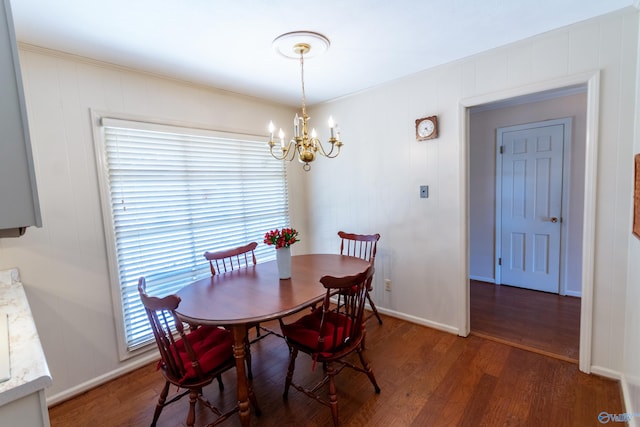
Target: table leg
x=239, y=337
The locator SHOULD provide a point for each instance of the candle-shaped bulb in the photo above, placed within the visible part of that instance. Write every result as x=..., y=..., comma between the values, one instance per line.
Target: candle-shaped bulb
x=281, y=135
x=313, y=133
x=331, y=126
x=271, y=129
x=296, y=120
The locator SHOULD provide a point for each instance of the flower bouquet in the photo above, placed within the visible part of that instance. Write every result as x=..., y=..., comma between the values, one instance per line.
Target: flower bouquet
x=282, y=240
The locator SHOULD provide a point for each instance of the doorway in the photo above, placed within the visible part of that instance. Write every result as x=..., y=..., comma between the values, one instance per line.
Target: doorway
x=481, y=252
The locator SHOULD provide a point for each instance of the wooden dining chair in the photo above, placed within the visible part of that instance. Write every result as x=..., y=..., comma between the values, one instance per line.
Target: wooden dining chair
x=234, y=259
x=362, y=246
x=189, y=361
x=231, y=259
x=331, y=333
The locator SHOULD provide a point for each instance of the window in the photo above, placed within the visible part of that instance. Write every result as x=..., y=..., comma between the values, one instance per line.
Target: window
x=169, y=194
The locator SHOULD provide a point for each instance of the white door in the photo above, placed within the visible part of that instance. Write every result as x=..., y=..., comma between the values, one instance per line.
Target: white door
x=530, y=206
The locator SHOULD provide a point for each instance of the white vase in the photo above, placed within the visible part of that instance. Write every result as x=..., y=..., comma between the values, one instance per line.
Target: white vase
x=283, y=257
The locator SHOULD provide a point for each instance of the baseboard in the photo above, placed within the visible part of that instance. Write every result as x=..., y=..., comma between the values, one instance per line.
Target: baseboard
x=420, y=321
x=577, y=294
x=482, y=279
x=626, y=399
x=95, y=382
x=630, y=394
x=606, y=372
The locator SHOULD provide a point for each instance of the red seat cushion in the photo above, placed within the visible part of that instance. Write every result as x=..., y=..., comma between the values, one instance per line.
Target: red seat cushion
x=306, y=331
x=212, y=346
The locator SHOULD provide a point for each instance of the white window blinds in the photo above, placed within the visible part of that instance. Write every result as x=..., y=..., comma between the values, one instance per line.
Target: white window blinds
x=174, y=193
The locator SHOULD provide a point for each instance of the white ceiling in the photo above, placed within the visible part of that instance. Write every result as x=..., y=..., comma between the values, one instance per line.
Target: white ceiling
x=227, y=43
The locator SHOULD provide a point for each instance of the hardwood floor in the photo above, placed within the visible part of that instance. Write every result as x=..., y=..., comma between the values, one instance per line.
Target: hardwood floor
x=427, y=377
x=536, y=321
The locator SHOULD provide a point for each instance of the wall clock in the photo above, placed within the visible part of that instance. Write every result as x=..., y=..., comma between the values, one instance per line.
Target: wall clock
x=427, y=128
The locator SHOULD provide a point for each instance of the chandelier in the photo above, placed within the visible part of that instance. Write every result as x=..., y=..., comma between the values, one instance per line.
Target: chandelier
x=304, y=144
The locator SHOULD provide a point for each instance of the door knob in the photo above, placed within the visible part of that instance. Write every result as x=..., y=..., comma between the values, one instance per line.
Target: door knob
x=554, y=219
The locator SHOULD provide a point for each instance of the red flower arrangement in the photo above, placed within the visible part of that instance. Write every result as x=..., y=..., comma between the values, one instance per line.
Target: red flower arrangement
x=281, y=238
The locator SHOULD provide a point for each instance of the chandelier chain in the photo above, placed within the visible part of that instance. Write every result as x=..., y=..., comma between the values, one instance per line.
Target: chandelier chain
x=304, y=98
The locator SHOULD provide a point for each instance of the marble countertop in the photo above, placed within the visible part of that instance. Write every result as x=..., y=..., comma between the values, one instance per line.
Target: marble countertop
x=29, y=370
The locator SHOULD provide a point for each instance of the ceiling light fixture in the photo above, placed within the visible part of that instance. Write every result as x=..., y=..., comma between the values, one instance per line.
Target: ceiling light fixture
x=297, y=44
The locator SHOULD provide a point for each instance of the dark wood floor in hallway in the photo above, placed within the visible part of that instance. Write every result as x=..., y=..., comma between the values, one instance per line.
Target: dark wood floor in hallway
x=537, y=321
x=427, y=377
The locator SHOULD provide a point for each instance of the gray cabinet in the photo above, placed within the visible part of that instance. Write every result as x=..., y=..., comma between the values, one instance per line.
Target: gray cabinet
x=19, y=205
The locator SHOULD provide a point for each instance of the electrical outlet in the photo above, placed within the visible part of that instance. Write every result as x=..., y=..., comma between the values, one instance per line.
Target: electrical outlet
x=424, y=191
x=387, y=285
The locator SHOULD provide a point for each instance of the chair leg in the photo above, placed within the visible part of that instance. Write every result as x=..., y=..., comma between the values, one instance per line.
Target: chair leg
x=247, y=357
x=373, y=307
x=254, y=401
x=367, y=369
x=293, y=353
x=258, y=330
x=191, y=416
x=220, y=383
x=333, y=395
x=160, y=405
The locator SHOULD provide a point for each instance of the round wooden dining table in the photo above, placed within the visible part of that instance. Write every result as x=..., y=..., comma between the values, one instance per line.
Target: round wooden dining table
x=241, y=298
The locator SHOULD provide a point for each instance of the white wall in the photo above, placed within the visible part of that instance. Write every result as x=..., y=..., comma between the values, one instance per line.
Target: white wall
x=373, y=186
x=482, y=185
x=63, y=264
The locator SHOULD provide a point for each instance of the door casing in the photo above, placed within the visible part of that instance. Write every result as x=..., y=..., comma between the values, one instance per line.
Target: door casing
x=591, y=79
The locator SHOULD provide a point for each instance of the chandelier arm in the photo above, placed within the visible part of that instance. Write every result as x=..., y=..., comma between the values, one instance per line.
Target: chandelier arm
x=285, y=151
x=333, y=145
x=290, y=150
x=320, y=148
x=322, y=151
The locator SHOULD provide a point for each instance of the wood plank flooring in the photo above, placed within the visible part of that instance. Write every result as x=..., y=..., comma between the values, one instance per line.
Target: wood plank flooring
x=427, y=377
x=536, y=321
